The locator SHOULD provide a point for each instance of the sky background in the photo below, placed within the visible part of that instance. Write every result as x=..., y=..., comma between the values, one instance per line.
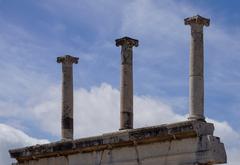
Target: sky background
x=34, y=33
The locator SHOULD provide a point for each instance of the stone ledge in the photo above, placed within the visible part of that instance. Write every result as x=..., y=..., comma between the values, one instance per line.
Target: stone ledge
x=166, y=132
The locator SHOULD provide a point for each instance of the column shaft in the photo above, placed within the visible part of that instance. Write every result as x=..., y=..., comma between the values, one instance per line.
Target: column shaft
x=126, y=84
x=196, y=68
x=67, y=95
x=126, y=106
x=196, y=79
x=67, y=101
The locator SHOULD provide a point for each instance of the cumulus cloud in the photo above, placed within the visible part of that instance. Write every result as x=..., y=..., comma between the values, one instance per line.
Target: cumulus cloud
x=230, y=138
x=11, y=138
x=163, y=42
x=97, y=112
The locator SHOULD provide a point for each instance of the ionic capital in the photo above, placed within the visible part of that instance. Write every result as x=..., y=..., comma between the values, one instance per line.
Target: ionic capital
x=197, y=20
x=67, y=59
x=130, y=42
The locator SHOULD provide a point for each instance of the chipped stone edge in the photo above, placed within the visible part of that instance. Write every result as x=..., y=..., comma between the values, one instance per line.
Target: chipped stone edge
x=165, y=132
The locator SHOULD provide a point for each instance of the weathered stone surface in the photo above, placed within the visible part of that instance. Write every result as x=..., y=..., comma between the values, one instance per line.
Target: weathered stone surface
x=126, y=102
x=196, y=73
x=186, y=142
x=67, y=95
x=197, y=20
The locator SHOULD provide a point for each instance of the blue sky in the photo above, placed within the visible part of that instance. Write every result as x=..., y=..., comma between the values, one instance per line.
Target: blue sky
x=34, y=33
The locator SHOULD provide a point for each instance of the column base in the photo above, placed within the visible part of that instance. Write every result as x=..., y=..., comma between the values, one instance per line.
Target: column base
x=196, y=117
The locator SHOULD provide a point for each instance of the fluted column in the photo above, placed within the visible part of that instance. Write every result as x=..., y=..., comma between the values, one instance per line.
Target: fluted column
x=126, y=87
x=196, y=73
x=67, y=95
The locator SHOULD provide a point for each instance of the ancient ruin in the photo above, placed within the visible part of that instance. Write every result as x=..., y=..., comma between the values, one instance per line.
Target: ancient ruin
x=67, y=95
x=190, y=142
x=126, y=106
x=196, y=81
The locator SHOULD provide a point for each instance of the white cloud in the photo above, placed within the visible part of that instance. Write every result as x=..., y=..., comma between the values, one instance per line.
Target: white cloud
x=11, y=138
x=230, y=138
x=99, y=105
x=97, y=111
x=163, y=42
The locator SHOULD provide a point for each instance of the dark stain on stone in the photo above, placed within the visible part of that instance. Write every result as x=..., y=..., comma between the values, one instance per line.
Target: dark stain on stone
x=67, y=123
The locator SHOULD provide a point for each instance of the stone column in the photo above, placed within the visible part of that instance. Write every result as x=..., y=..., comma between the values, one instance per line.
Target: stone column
x=126, y=102
x=196, y=75
x=67, y=95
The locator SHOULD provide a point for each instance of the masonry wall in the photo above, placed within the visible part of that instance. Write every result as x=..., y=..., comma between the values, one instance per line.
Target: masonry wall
x=176, y=152
x=187, y=143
